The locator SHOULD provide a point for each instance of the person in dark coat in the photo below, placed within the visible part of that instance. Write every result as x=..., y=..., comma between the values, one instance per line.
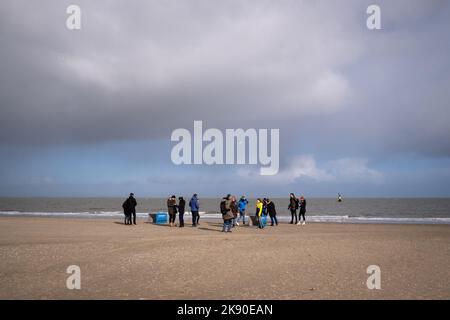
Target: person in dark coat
x=293, y=206
x=272, y=212
x=129, y=209
x=302, y=211
x=265, y=212
x=235, y=210
x=133, y=204
x=127, y=212
x=181, y=208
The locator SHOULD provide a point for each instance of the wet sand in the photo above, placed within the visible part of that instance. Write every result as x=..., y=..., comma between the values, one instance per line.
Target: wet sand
x=316, y=261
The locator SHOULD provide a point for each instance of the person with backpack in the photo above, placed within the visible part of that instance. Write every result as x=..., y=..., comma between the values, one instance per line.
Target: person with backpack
x=293, y=206
x=242, y=205
x=302, y=211
x=172, y=209
x=195, y=206
x=259, y=213
x=272, y=212
x=181, y=208
x=227, y=215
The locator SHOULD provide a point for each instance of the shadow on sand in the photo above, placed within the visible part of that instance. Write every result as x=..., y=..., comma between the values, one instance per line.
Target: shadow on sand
x=159, y=225
x=209, y=229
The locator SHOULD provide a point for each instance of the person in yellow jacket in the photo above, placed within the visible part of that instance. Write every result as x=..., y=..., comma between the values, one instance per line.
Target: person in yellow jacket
x=259, y=209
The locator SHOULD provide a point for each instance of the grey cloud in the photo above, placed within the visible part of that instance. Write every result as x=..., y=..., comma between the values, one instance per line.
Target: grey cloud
x=139, y=69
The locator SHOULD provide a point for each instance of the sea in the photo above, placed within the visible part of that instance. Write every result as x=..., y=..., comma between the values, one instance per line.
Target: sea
x=350, y=210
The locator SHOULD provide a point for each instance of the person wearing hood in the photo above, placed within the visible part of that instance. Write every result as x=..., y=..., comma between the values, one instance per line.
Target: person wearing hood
x=242, y=205
x=181, y=208
x=195, y=206
x=172, y=209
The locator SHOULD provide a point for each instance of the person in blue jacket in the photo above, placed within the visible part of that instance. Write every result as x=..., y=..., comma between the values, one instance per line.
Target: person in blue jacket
x=195, y=206
x=242, y=205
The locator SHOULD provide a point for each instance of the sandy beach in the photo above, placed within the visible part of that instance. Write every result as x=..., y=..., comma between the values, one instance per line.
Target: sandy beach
x=316, y=261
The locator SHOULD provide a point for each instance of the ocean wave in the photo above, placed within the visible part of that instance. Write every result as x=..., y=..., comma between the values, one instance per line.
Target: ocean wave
x=92, y=214
x=312, y=218
x=386, y=220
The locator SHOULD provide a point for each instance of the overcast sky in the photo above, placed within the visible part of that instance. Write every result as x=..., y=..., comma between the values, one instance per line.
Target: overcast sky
x=90, y=112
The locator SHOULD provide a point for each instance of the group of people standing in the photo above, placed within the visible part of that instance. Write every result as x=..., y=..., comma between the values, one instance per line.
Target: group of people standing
x=233, y=211
x=266, y=207
x=129, y=210
x=173, y=208
x=300, y=205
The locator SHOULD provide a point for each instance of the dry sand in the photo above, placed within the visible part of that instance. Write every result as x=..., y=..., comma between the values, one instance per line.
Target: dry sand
x=316, y=261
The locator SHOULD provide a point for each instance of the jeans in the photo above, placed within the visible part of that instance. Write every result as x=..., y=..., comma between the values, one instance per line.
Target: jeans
x=181, y=217
x=274, y=219
x=241, y=216
x=195, y=218
x=293, y=214
x=260, y=222
x=227, y=225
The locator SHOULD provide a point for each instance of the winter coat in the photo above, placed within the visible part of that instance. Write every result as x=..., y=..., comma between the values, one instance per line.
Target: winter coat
x=181, y=206
x=234, y=209
x=293, y=203
x=227, y=214
x=271, y=209
x=194, y=204
x=242, y=204
x=303, y=206
x=172, y=206
x=259, y=207
x=129, y=206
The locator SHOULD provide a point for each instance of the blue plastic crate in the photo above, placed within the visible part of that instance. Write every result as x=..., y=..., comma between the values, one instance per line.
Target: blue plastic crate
x=160, y=218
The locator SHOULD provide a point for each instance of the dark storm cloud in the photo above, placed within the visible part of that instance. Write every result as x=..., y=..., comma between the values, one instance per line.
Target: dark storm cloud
x=137, y=70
